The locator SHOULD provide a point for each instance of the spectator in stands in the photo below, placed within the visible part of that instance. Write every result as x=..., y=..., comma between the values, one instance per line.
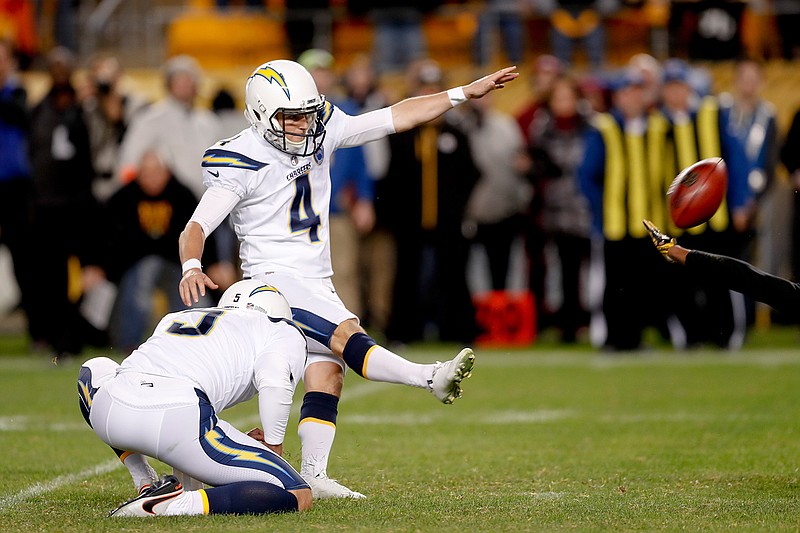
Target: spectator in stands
x=399, y=39
x=65, y=24
x=65, y=210
x=652, y=73
x=108, y=110
x=618, y=177
x=15, y=179
x=505, y=18
x=363, y=94
x=595, y=95
x=576, y=21
x=790, y=157
x=712, y=29
x=303, y=18
x=750, y=119
x=18, y=27
x=319, y=63
x=787, y=17
x=557, y=148
x=175, y=126
x=707, y=314
x=430, y=178
x=225, y=4
x=143, y=220
x=377, y=249
x=502, y=194
x=698, y=118
x=181, y=131
x=545, y=70
x=352, y=191
x=231, y=119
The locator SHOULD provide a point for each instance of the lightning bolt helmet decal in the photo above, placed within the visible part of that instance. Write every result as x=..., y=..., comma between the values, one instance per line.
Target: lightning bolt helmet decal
x=272, y=75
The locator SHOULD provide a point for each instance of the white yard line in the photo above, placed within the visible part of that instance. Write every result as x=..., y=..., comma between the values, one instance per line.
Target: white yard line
x=492, y=418
x=43, y=487
x=350, y=393
x=757, y=358
x=763, y=358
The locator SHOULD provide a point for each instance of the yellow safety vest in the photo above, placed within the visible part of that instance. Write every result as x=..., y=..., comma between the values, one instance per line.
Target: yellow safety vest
x=696, y=140
x=633, y=183
x=639, y=169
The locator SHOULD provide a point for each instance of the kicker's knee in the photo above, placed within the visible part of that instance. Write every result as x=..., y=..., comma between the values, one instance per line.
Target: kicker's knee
x=325, y=377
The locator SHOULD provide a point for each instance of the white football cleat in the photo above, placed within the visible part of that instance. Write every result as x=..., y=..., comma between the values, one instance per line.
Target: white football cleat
x=445, y=383
x=323, y=487
x=151, y=501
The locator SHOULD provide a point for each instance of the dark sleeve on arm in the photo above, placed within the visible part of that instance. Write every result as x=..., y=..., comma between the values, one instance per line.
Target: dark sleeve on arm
x=742, y=277
x=790, y=152
x=14, y=110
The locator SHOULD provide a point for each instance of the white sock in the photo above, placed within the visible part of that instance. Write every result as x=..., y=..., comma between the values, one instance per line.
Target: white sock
x=316, y=440
x=383, y=365
x=188, y=482
x=186, y=504
x=141, y=471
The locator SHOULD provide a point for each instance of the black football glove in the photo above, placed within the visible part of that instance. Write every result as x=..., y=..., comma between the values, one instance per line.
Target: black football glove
x=661, y=241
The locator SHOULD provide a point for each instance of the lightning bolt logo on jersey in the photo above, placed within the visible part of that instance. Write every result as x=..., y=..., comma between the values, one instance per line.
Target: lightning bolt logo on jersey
x=283, y=212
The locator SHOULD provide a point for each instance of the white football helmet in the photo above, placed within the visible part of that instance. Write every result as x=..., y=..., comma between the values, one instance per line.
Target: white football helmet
x=279, y=88
x=256, y=295
x=94, y=374
x=97, y=371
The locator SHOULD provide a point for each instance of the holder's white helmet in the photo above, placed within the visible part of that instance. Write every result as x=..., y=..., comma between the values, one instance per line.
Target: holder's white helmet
x=94, y=374
x=279, y=88
x=256, y=295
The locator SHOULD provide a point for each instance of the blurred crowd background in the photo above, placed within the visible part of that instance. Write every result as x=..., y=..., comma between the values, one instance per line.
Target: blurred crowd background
x=512, y=216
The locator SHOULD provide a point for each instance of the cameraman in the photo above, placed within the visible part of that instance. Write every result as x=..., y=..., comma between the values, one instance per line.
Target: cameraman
x=107, y=111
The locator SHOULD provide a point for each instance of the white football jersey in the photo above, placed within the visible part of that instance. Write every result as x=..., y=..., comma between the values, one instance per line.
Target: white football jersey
x=230, y=354
x=281, y=218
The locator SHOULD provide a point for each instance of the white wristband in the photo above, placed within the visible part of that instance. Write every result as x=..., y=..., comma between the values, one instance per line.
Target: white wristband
x=456, y=96
x=190, y=264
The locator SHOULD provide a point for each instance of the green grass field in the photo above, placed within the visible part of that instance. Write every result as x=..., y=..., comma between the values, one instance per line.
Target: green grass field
x=544, y=439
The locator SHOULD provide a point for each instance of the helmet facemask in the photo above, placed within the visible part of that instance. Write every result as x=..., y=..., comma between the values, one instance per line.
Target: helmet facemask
x=295, y=140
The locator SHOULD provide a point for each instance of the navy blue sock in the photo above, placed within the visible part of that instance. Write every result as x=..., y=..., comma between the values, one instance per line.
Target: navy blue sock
x=320, y=405
x=250, y=497
x=355, y=351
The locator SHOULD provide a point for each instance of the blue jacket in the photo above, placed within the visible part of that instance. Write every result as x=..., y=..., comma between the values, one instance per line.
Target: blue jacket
x=756, y=139
x=349, y=173
x=14, y=122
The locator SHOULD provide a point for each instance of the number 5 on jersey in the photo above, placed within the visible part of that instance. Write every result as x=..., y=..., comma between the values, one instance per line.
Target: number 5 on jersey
x=302, y=216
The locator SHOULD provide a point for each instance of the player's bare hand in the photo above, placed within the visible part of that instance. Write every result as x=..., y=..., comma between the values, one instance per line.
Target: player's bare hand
x=193, y=285
x=487, y=84
x=257, y=434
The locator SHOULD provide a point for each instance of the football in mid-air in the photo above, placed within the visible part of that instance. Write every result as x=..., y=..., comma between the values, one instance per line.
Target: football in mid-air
x=697, y=192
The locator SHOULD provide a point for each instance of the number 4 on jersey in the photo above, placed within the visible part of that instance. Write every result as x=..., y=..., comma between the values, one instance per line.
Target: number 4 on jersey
x=302, y=215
